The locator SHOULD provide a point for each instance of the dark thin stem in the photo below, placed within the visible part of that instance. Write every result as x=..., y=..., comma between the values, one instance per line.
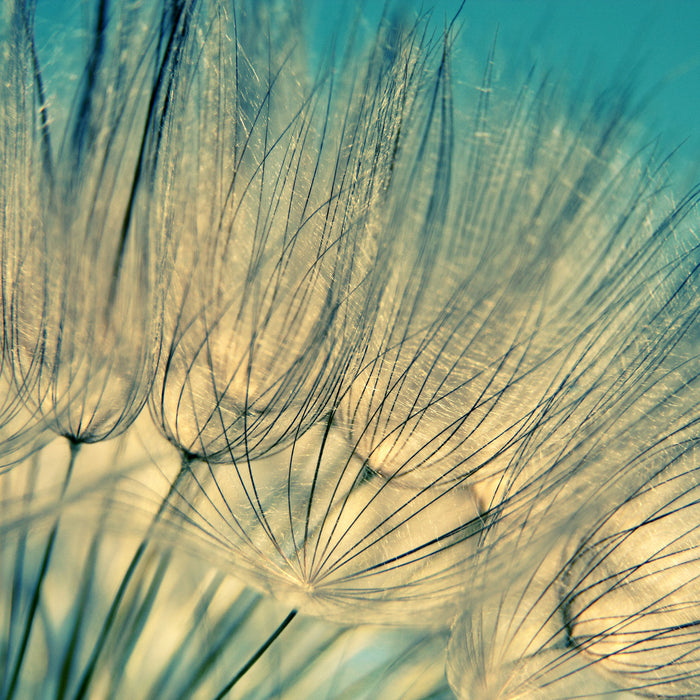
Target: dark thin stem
x=43, y=570
x=121, y=592
x=254, y=658
x=79, y=614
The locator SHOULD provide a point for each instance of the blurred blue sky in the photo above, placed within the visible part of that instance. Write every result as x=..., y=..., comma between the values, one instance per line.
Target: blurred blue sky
x=659, y=40
x=601, y=40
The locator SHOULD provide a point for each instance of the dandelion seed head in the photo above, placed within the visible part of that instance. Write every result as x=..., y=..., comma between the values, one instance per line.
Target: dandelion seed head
x=631, y=605
x=262, y=323
x=82, y=287
x=605, y=603
x=382, y=370
x=424, y=344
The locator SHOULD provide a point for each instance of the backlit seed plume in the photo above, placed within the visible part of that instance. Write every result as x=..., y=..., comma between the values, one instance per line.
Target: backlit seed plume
x=609, y=603
x=630, y=590
x=522, y=287
x=278, y=175
x=20, y=430
x=524, y=265
x=83, y=252
x=184, y=629
x=419, y=348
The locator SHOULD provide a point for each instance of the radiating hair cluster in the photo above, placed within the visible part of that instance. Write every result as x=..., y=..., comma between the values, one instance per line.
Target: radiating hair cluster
x=401, y=345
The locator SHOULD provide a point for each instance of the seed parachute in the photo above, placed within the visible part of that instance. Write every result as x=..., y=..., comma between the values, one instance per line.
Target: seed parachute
x=344, y=374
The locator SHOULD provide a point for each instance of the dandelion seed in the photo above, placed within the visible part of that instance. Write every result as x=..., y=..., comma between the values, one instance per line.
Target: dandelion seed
x=83, y=251
x=505, y=274
x=422, y=348
x=631, y=604
x=267, y=296
x=600, y=605
x=183, y=629
x=82, y=258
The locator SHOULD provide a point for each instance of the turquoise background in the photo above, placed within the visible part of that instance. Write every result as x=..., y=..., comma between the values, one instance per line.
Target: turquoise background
x=601, y=41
